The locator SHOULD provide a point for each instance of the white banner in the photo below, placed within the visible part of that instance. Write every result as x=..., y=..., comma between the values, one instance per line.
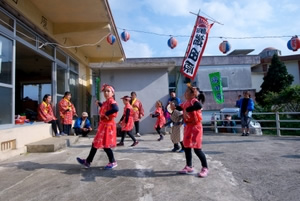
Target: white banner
x=196, y=47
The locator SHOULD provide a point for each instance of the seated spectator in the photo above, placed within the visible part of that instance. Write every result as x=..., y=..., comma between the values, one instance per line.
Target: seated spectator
x=45, y=113
x=82, y=125
x=230, y=123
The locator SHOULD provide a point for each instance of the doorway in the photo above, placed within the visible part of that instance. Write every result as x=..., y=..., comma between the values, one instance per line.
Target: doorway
x=33, y=80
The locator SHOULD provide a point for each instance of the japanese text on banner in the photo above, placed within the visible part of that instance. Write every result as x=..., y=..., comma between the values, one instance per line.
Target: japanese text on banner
x=216, y=85
x=196, y=47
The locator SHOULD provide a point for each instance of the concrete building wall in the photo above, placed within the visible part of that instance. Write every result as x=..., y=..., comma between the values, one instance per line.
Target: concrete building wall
x=238, y=76
x=149, y=84
x=257, y=80
x=238, y=80
x=293, y=69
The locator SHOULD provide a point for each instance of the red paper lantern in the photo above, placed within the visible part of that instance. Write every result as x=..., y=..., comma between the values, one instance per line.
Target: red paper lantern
x=111, y=39
x=125, y=36
x=224, y=47
x=294, y=43
x=172, y=42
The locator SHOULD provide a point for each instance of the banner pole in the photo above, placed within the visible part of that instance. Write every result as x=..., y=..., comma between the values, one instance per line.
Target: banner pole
x=209, y=18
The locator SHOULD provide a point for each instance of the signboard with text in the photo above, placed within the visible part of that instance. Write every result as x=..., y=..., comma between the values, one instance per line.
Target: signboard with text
x=195, y=47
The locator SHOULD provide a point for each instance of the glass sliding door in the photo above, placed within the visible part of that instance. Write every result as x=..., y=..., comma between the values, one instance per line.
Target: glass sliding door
x=74, y=88
x=6, y=80
x=61, y=80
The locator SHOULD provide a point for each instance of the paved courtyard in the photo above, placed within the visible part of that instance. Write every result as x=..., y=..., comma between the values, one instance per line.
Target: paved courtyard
x=241, y=168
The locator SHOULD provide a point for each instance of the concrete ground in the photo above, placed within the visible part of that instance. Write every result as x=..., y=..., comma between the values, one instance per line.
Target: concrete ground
x=241, y=168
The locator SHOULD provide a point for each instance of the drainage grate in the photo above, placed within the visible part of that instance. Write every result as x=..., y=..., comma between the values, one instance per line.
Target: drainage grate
x=8, y=145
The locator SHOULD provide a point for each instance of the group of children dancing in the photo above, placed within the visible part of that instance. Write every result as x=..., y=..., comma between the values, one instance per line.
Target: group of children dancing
x=186, y=116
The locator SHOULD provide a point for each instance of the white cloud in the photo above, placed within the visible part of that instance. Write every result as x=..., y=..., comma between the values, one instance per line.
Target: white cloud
x=170, y=7
x=136, y=50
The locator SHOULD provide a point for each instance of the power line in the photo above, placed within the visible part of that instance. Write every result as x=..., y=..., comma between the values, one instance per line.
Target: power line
x=141, y=31
x=222, y=37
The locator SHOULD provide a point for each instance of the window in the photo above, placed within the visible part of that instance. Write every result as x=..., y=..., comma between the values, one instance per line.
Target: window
x=74, y=88
x=26, y=35
x=5, y=60
x=224, y=82
x=6, y=105
x=73, y=66
x=61, y=80
x=48, y=49
x=6, y=21
x=61, y=56
x=6, y=87
x=36, y=91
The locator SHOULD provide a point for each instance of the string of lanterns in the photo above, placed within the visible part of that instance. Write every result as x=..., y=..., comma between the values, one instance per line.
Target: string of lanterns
x=293, y=44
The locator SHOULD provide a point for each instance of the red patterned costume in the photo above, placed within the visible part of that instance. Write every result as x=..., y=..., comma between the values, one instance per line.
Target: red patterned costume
x=66, y=111
x=129, y=125
x=107, y=131
x=161, y=120
x=193, y=130
x=138, y=109
x=45, y=112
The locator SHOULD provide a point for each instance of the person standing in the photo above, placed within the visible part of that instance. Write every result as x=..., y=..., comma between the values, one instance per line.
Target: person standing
x=237, y=102
x=193, y=130
x=160, y=122
x=45, y=113
x=177, y=128
x=174, y=99
x=106, y=136
x=246, y=108
x=66, y=112
x=82, y=125
x=126, y=122
x=138, y=112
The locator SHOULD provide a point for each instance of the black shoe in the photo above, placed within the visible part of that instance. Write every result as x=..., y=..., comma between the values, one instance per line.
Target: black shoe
x=120, y=144
x=247, y=134
x=175, y=149
x=134, y=144
x=243, y=134
x=160, y=138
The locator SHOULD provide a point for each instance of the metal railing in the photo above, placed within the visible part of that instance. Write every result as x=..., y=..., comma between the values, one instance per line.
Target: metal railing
x=214, y=122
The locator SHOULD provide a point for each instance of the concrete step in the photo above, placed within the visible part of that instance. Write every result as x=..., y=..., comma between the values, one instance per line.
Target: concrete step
x=51, y=144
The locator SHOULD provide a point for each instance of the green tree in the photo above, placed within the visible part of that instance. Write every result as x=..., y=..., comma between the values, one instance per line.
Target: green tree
x=277, y=79
x=287, y=100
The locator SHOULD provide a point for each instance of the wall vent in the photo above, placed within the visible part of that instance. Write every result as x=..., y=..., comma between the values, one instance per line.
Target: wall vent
x=8, y=145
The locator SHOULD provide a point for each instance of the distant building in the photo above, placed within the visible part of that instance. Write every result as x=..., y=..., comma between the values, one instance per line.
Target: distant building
x=292, y=63
x=269, y=52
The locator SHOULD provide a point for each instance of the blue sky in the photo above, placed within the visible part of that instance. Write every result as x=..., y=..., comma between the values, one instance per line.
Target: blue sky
x=241, y=18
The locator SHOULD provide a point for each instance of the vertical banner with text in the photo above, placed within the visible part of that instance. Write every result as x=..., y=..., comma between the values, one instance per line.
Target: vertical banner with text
x=216, y=86
x=195, y=47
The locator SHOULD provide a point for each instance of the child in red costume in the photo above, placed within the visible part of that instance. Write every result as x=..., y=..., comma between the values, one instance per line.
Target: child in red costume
x=193, y=130
x=106, y=136
x=161, y=120
x=126, y=122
